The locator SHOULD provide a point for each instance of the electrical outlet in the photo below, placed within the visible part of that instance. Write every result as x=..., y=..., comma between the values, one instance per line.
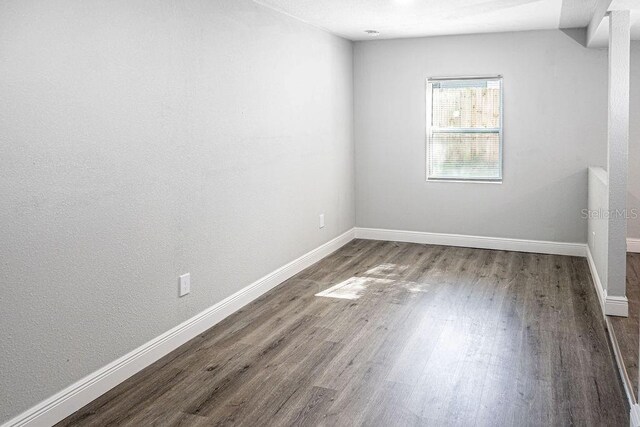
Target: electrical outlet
x=321, y=220
x=185, y=284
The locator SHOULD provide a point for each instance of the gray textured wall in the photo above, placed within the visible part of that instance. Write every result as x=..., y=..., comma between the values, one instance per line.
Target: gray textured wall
x=555, y=121
x=140, y=140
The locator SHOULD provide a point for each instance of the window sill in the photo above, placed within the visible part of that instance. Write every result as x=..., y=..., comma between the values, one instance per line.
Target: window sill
x=466, y=181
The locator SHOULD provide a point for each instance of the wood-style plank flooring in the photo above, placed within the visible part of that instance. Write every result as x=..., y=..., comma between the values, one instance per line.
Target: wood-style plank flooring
x=627, y=329
x=401, y=334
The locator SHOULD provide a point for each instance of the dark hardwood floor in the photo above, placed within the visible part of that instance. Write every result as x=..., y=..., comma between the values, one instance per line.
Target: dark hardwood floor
x=393, y=334
x=627, y=329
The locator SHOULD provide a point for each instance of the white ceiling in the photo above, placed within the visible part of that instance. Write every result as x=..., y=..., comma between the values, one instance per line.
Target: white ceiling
x=418, y=18
x=601, y=37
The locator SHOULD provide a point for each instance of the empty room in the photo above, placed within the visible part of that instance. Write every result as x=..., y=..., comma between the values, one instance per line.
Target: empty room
x=319, y=213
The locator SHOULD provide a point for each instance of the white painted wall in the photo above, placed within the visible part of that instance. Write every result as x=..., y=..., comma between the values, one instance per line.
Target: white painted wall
x=141, y=140
x=618, y=148
x=633, y=197
x=555, y=126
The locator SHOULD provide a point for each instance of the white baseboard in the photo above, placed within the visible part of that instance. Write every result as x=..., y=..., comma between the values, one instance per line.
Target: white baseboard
x=611, y=305
x=77, y=395
x=634, y=416
x=616, y=306
x=596, y=281
x=622, y=370
x=505, y=244
x=633, y=245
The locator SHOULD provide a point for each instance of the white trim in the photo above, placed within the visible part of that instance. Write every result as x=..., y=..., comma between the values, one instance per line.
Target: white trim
x=633, y=245
x=482, y=242
x=430, y=130
x=611, y=305
x=602, y=293
x=622, y=370
x=616, y=306
x=77, y=395
x=610, y=309
x=466, y=181
x=634, y=416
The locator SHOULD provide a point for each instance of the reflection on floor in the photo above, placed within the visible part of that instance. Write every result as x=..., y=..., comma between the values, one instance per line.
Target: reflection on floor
x=627, y=329
x=383, y=333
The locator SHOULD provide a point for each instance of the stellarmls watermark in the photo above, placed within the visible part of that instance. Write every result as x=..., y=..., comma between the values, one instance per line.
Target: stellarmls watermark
x=609, y=213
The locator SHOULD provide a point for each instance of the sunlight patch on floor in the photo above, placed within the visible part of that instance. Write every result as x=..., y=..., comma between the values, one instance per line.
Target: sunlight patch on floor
x=352, y=288
x=355, y=287
x=387, y=269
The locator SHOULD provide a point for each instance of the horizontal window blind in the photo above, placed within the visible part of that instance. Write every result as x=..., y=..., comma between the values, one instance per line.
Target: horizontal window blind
x=464, y=129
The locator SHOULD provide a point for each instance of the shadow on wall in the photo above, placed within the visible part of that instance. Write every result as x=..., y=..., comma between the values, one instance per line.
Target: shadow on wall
x=579, y=35
x=574, y=18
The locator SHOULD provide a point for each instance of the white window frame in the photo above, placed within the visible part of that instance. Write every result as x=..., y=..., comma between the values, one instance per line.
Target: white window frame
x=432, y=129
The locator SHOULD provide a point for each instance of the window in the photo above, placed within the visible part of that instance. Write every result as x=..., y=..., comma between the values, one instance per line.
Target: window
x=464, y=129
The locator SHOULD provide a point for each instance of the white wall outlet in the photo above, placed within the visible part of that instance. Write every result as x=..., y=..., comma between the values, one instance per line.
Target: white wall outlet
x=321, y=220
x=185, y=284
